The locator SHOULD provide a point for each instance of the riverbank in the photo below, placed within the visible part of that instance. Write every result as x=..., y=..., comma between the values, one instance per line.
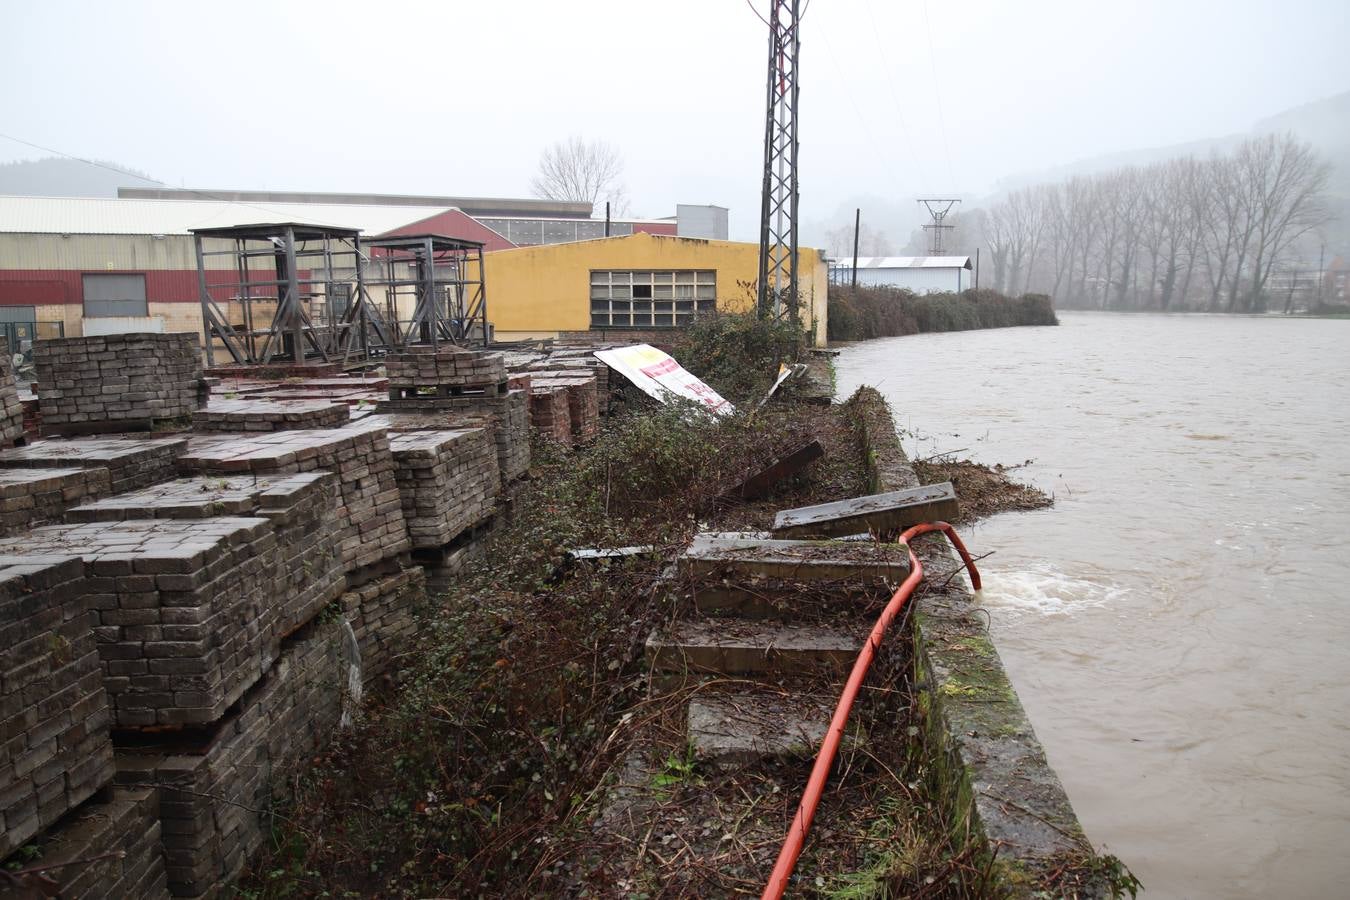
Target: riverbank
x=489, y=764
x=865, y=313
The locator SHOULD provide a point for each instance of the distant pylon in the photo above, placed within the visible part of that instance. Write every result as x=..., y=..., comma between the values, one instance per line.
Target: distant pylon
x=937, y=208
x=778, y=208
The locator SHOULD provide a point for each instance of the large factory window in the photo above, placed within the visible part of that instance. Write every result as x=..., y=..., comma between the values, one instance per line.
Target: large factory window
x=115, y=295
x=651, y=299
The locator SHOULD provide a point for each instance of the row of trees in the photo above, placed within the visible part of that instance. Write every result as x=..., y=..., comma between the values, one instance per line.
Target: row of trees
x=1187, y=233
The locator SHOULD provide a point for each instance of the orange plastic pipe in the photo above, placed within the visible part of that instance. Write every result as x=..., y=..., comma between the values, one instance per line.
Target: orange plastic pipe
x=829, y=747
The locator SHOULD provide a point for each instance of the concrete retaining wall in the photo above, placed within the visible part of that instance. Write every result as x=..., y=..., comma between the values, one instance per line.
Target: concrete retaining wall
x=990, y=770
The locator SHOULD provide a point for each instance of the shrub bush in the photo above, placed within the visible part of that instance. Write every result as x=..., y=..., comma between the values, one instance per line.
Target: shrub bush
x=859, y=314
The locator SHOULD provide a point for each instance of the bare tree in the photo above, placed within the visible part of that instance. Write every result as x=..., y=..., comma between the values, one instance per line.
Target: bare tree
x=582, y=172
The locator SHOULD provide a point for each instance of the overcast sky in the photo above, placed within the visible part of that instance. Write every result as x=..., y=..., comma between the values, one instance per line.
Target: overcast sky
x=899, y=97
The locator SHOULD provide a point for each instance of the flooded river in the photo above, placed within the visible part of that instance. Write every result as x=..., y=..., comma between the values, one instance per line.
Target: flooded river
x=1178, y=625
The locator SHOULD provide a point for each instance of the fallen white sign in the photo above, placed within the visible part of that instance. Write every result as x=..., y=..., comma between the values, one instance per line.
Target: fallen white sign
x=660, y=376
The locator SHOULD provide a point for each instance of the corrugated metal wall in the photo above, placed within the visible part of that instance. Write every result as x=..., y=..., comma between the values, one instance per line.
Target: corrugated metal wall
x=920, y=281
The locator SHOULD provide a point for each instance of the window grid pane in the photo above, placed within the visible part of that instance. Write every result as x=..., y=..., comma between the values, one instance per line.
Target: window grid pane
x=645, y=299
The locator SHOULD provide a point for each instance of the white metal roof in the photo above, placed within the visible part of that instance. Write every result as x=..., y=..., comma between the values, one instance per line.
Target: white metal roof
x=106, y=215
x=907, y=262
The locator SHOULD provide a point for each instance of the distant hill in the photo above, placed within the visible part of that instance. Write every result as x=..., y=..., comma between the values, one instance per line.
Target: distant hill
x=56, y=177
x=1323, y=123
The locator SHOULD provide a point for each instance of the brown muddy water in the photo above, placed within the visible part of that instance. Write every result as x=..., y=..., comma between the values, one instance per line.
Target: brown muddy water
x=1178, y=625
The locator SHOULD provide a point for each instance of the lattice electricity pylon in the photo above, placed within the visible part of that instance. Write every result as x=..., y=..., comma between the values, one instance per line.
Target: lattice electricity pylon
x=778, y=209
x=938, y=208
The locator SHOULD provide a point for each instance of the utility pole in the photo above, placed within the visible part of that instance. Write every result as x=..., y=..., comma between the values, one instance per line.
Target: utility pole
x=778, y=206
x=938, y=208
x=857, y=223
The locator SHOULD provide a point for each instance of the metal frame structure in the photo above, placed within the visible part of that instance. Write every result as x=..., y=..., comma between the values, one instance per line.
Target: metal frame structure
x=778, y=285
x=290, y=265
x=445, y=281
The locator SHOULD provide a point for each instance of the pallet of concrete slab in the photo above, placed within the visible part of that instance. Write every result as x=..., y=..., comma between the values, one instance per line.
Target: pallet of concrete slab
x=216, y=783
x=12, y=410
x=881, y=514
x=184, y=611
x=569, y=366
x=32, y=497
x=269, y=415
x=583, y=404
x=383, y=617
x=448, y=482
x=118, y=382
x=444, y=371
x=509, y=418
x=371, y=530
x=299, y=507
x=131, y=462
x=54, y=714
x=551, y=412
x=109, y=846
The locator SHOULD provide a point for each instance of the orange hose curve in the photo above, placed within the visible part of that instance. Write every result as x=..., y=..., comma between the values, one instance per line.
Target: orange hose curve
x=829, y=747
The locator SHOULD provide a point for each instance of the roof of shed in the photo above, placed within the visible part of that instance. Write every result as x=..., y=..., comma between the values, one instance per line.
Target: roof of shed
x=906, y=262
x=105, y=215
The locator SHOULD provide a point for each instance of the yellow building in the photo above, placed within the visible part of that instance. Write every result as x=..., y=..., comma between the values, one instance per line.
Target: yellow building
x=633, y=283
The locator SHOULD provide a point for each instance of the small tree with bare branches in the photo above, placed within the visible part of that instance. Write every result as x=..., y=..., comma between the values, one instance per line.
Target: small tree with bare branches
x=582, y=172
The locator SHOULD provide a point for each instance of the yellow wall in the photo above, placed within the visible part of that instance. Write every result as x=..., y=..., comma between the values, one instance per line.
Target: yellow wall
x=546, y=289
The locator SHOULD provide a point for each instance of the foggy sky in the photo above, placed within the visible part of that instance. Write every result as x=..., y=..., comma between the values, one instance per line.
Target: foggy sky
x=898, y=98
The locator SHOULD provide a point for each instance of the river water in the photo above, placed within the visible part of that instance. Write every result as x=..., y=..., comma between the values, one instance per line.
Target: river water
x=1178, y=625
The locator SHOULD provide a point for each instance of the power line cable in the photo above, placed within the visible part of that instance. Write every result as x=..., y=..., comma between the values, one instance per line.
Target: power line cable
x=895, y=97
x=937, y=95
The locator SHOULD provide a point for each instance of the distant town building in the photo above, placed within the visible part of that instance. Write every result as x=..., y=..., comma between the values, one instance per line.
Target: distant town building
x=920, y=274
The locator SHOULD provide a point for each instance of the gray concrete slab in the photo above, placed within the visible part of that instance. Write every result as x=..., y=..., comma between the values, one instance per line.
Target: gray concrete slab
x=748, y=555
x=728, y=647
x=885, y=513
x=739, y=729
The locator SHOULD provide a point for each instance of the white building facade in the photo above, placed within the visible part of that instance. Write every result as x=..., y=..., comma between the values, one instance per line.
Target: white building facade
x=919, y=274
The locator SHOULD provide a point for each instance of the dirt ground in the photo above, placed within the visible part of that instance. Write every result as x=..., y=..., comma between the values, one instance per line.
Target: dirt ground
x=982, y=490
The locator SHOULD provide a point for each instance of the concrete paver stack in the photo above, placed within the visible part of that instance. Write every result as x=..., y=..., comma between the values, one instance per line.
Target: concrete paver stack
x=119, y=382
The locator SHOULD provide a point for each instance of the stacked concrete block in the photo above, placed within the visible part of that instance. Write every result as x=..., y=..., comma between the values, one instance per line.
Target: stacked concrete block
x=215, y=789
x=117, y=382
x=448, y=481
x=55, y=750
x=567, y=364
x=508, y=415
x=114, y=846
x=131, y=463
x=550, y=413
x=11, y=406
x=444, y=371
x=184, y=612
x=383, y=615
x=31, y=497
x=307, y=567
x=583, y=404
x=369, y=514
x=270, y=415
